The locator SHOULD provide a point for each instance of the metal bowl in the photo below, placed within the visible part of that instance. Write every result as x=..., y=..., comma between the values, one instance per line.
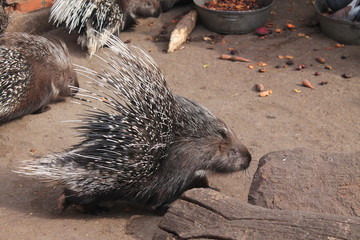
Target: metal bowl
x=233, y=22
x=341, y=31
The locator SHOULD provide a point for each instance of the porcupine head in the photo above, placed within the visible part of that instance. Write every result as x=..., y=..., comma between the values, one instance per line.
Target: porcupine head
x=145, y=145
x=141, y=8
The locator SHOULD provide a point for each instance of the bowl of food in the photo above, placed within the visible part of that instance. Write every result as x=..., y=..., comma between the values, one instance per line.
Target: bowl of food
x=233, y=16
x=337, y=26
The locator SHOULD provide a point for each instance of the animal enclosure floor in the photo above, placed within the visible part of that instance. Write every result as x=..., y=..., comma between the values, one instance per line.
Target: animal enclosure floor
x=325, y=118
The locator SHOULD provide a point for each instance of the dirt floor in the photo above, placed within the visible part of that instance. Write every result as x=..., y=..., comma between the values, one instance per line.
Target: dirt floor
x=325, y=119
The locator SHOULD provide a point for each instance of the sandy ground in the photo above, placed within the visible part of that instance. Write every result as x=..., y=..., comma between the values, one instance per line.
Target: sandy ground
x=326, y=118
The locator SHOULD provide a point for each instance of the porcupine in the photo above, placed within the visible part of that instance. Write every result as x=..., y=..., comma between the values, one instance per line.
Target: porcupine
x=33, y=71
x=4, y=17
x=167, y=4
x=145, y=144
x=103, y=16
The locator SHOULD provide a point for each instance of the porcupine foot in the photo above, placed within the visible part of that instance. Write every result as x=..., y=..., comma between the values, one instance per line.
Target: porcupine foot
x=42, y=109
x=199, y=182
x=69, y=199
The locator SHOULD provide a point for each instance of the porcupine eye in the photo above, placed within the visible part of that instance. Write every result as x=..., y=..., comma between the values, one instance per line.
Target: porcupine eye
x=223, y=133
x=149, y=4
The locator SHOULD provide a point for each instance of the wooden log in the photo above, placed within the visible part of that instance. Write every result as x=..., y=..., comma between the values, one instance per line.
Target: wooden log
x=208, y=214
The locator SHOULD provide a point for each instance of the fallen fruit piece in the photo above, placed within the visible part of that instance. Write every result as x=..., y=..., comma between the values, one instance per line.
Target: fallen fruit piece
x=251, y=66
x=317, y=73
x=262, y=64
x=205, y=65
x=320, y=60
x=290, y=26
x=182, y=31
x=300, y=66
x=265, y=93
x=262, y=31
x=328, y=67
x=278, y=30
x=307, y=83
x=259, y=87
x=33, y=150
x=233, y=58
x=297, y=90
x=262, y=70
x=338, y=45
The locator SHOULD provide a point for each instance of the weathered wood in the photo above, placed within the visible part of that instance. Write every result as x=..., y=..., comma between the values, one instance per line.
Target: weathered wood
x=207, y=214
x=308, y=180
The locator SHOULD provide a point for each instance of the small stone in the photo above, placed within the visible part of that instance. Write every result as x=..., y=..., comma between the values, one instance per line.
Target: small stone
x=317, y=73
x=345, y=75
x=290, y=62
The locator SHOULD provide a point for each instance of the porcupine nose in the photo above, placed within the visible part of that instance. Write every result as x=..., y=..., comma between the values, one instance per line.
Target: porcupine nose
x=246, y=157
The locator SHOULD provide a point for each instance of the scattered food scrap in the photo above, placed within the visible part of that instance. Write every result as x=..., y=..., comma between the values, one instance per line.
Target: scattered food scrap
x=300, y=66
x=307, y=83
x=328, y=67
x=317, y=73
x=233, y=58
x=338, y=45
x=251, y=66
x=320, y=60
x=259, y=87
x=182, y=31
x=232, y=5
x=33, y=150
x=323, y=83
x=304, y=35
x=262, y=70
x=265, y=93
x=262, y=64
x=297, y=90
x=262, y=31
x=285, y=56
x=290, y=26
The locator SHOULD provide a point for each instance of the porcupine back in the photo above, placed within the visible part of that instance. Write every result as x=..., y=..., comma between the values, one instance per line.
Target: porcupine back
x=33, y=71
x=145, y=144
x=104, y=16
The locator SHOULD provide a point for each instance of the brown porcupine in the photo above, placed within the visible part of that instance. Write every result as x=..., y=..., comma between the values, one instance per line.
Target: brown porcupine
x=33, y=71
x=4, y=17
x=167, y=4
x=145, y=144
x=104, y=16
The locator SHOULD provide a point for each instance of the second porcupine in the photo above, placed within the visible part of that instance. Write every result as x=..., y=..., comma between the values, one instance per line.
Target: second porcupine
x=33, y=71
x=4, y=16
x=145, y=145
x=103, y=16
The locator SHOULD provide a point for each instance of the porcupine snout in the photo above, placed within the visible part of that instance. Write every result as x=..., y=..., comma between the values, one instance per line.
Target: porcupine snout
x=148, y=8
x=234, y=156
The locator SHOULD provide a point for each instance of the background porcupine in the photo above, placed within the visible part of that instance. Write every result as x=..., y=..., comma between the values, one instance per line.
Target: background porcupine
x=33, y=71
x=4, y=17
x=104, y=16
x=167, y=4
x=144, y=145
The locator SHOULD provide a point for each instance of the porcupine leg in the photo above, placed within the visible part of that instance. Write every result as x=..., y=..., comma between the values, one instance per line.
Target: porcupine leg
x=42, y=109
x=201, y=182
x=70, y=199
